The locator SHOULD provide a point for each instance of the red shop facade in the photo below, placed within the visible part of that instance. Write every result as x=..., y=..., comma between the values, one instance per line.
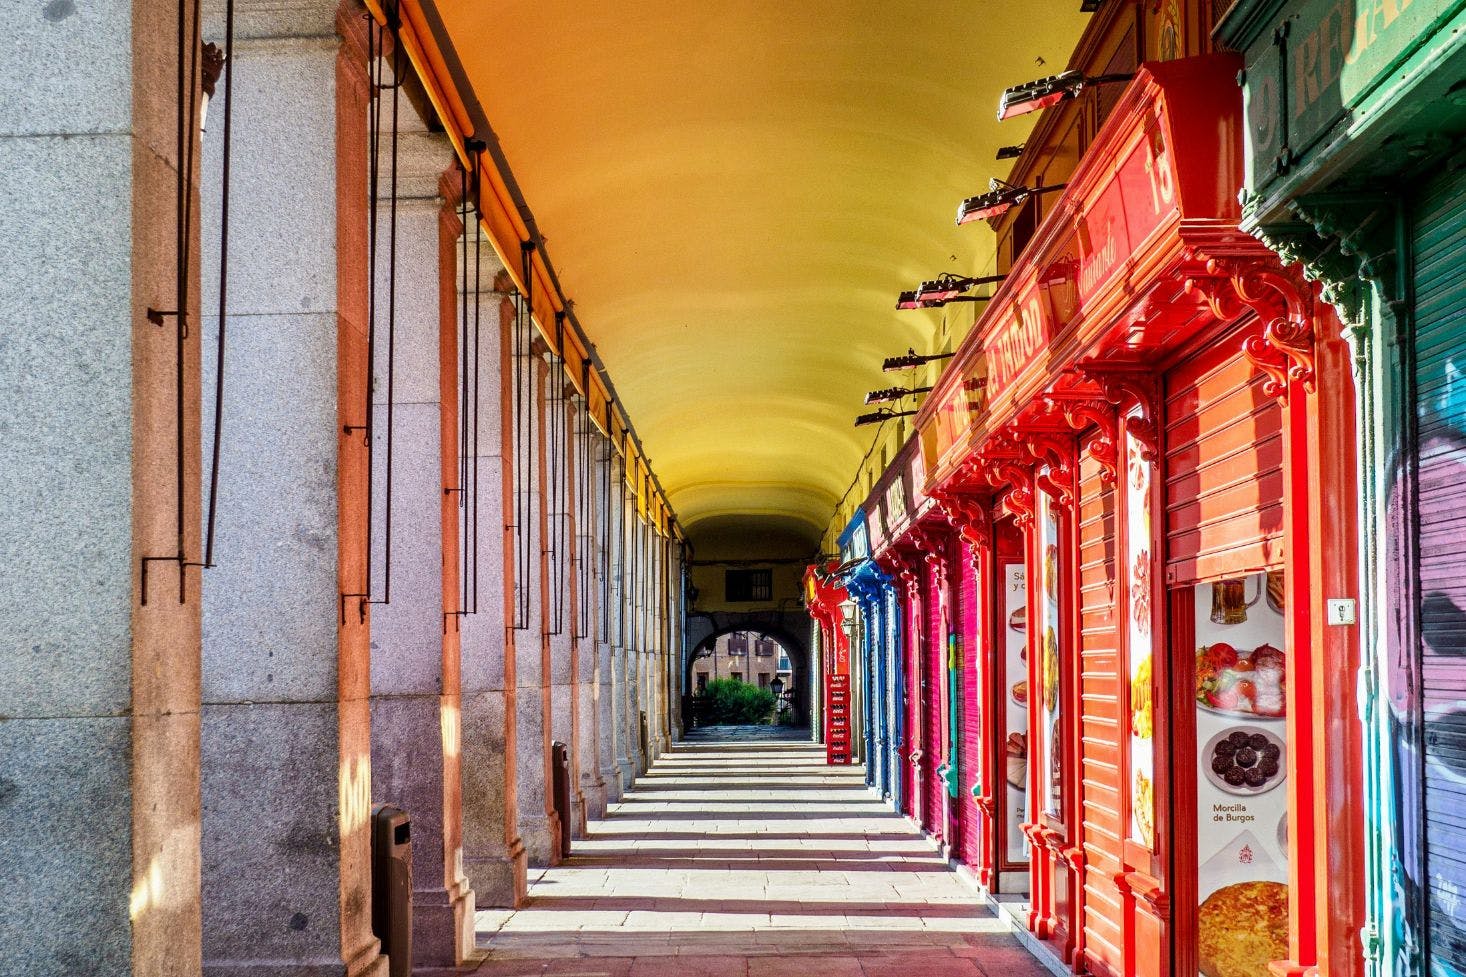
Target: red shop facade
x=934, y=576
x=825, y=598
x=1143, y=457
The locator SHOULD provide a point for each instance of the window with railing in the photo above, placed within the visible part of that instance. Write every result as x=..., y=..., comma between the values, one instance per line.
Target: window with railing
x=749, y=585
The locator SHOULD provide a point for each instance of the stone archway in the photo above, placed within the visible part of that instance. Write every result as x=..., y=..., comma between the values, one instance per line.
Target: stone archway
x=788, y=628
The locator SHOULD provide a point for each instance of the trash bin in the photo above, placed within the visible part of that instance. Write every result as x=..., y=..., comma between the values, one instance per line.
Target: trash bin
x=560, y=769
x=392, y=886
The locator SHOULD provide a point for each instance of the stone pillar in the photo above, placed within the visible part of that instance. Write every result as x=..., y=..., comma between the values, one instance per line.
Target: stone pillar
x=590, y=788
x=559, y=551
x=532, y=649
x=676, y=634
x=415, y=637
x=99, y=706
x=493, y=854
x=623, y=673
x=606, y=686
x=286, y=742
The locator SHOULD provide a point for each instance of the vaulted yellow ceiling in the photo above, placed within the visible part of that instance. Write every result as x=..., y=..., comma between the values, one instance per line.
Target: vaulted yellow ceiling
x=733, y=194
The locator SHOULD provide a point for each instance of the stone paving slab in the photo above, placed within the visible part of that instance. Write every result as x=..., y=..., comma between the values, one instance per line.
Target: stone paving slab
x=748, y=856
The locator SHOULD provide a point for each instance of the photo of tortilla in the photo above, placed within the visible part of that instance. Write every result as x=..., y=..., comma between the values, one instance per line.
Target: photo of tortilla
x=1241, y=928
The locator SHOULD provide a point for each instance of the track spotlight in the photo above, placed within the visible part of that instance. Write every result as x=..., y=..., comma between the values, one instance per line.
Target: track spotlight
x=1040, y=94
x=895, y=364
x=885, y=414
x=893, y=393
x=1000, y=198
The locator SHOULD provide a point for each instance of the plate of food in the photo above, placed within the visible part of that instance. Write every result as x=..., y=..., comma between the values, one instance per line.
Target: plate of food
x=1018, y=620
x=1237, y=683
x=1244, y=760
x=1241, y=928
x=1019, y=693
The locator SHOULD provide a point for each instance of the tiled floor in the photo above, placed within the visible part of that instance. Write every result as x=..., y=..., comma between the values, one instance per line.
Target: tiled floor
x=754, y=859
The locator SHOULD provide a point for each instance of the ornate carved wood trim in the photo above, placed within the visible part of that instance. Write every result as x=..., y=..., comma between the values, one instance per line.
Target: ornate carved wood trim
x=1284, y=301
x=1126, y=390
x=967, y=514
x=1083, y=412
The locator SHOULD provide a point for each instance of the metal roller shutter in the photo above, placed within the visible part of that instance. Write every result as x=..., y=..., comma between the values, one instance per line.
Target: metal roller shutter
x=971, y=731
x=936, y=656
x=1439, y=248
x=1101, y=729
x=1224, y=466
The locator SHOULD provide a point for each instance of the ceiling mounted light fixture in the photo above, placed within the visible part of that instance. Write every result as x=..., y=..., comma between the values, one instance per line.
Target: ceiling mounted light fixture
x=912, y=359
x=1040, y=94
x=884, y=414
x=1000, y=198
x=893, y=393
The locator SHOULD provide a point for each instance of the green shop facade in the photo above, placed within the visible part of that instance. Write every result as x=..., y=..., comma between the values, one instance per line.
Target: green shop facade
x=1356, y=167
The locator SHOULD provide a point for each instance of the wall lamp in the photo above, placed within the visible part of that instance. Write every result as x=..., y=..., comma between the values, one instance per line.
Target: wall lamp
x=893, y=393
x=1010, y=152
x=912, y=359
x=885, y=414
x=1034, y=95
x=943, y=289
x=1000, y=198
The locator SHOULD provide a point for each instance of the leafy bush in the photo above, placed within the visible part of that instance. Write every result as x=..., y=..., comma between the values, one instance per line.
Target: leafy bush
x=729, y=701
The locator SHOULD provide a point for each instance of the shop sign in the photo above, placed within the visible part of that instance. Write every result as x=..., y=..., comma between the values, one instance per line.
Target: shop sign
x=1317, y=63
x=895, y=504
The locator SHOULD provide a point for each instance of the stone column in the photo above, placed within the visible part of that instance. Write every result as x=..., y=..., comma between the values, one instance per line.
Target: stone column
x=623, y=673
x=532, y=649
x=559, y=552
x=493, y=854
x=99, y=706
x=415, y=637
x=590, y=788
x=285, y=743
x=606, y=687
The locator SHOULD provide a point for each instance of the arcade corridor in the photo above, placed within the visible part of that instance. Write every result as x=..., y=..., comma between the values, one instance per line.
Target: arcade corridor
x=753, y=857
x=427, y=423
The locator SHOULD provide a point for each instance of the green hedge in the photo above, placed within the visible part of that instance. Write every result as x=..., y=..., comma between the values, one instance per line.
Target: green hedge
x=731, y=702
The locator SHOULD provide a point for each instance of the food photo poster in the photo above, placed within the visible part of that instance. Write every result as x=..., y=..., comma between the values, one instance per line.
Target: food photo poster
x=1015, y=673
x=1242, y=807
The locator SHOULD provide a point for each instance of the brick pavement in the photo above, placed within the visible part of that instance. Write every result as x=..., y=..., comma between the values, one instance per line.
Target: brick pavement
x=750, y=858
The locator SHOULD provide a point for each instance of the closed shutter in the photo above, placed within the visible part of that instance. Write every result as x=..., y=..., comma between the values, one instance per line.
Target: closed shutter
x=1101, y=729
x=1440, y=380
x=971, y=709
x=936, y=653
x=911, y=626
x=1224, y=466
